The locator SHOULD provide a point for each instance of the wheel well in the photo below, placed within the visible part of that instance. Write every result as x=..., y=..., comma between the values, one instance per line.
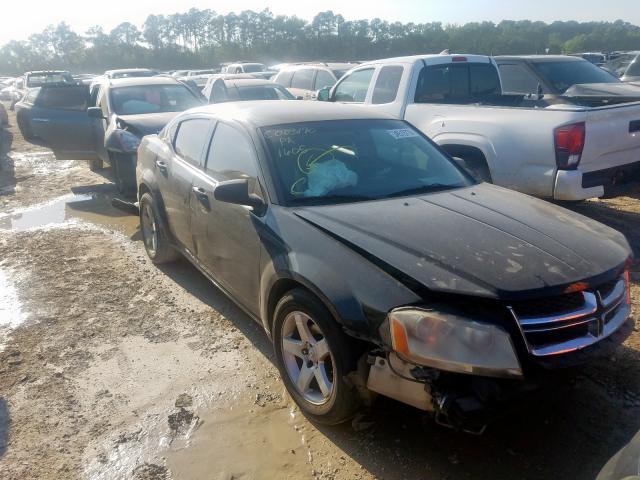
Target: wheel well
x=473, y=157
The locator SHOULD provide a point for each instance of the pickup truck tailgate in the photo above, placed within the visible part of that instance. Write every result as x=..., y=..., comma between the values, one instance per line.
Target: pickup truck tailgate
x=612, y=137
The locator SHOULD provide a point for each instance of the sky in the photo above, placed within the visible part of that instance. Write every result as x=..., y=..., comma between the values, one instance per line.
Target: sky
x=31, y=16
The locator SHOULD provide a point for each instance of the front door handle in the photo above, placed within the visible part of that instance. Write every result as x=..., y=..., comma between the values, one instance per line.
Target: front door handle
x=162, y=166
x=203, y=198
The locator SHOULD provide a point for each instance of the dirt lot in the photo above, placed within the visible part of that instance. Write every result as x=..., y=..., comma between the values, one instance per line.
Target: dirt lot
x=112, y=368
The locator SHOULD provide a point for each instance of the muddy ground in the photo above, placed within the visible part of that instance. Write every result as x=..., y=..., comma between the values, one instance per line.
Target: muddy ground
x=111, y=368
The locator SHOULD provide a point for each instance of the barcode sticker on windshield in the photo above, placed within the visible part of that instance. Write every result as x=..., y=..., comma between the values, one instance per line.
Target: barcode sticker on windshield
x=402, y=133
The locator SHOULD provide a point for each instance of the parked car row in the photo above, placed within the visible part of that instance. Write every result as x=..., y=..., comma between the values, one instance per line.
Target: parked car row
x=363, y=232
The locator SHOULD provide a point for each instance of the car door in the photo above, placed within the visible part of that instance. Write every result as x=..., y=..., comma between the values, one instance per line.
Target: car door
x=226, y=235
x=59, y=118
x=99, y=125
x=353, y=88
x=176, y=176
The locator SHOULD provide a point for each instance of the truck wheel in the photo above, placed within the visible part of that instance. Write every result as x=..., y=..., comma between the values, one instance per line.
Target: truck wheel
x=154, y=237
x=96, y=164
x=124, y=171
x=314, y=357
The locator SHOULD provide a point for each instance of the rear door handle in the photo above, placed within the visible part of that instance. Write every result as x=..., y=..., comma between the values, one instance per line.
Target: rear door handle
x=162, y=166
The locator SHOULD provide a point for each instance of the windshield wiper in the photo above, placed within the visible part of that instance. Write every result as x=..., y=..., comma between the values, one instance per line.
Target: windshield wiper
x=331, y=199
x=433, y=187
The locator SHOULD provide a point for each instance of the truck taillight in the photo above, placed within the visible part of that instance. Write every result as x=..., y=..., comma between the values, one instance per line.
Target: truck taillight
x=569, y=142
x=459, y=59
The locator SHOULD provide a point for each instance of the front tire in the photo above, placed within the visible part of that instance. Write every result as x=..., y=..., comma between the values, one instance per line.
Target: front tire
x=124, y=171
x=314, y=357
x=154, y=236
x=96, y=164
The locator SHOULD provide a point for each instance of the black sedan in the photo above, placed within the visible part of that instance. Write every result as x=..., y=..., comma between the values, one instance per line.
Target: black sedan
x=374, y=262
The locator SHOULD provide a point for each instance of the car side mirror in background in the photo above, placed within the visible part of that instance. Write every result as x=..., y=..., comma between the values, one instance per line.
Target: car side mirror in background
x=95, y=112
x=324, y=94
x=237, y=192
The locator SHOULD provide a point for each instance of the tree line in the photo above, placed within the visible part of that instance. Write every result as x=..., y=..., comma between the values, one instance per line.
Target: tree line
x=204, y=38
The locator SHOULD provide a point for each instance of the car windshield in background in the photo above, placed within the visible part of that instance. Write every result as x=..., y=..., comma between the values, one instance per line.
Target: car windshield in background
x=152, y=99
x=265, y=92
x=563, y=75
x=634, y=69
x=355, y=160
x=39, y=80
x=253, y=67
x=134, y=74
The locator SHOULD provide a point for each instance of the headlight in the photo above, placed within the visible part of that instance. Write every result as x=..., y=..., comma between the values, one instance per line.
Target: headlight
x=128, y=141
x=452, y=343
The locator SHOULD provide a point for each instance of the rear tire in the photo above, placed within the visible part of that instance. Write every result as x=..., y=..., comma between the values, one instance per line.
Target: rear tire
x=314, y=357
x=154, y=237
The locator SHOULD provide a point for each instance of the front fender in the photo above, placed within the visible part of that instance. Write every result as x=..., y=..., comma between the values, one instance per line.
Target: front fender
x=356, y=292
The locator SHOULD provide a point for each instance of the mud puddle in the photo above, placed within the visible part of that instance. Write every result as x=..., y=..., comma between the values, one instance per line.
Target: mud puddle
x=40, y=162
x=245, y=442
x=91, y=207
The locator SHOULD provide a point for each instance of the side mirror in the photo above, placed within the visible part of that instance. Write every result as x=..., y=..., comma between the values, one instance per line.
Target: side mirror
x=95, y=112
x=324, y=94
x=237, y=192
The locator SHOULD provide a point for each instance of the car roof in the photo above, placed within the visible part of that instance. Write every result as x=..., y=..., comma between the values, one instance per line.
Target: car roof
x=40, y=72
x=247, y=82
x=268, y=113
x=328, y=66
x=138, y=81
x=541, y=58
x=417, y=58
x=123, y=70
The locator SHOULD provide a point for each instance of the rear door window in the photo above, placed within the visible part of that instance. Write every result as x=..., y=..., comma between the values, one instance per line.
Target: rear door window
x=354, y=87
x=303, y=79
x=516, y=78
x=191, y=138
x=324, y=79
x=457, y=83
x=387, y=84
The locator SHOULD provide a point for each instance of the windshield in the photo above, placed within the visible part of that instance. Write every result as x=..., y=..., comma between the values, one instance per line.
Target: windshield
x=134, y=74
x=264, y=92
x=563, y=75
x=634, y=69
x=354, y=160
x=39, y=79
x=252, y=67
x=152, y=99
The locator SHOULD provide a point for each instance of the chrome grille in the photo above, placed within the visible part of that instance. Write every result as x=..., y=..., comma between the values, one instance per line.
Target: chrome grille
x=573, y=321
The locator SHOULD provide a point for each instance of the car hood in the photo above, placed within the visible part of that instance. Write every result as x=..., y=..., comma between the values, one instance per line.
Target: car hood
x=482, y=240
x=148, y=123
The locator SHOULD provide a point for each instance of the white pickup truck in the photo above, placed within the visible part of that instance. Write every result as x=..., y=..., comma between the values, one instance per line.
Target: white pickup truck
x=548, y=148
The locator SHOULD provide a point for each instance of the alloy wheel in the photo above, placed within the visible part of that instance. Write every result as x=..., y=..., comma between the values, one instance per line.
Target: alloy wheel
x=149, y=229
x=308, y=358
